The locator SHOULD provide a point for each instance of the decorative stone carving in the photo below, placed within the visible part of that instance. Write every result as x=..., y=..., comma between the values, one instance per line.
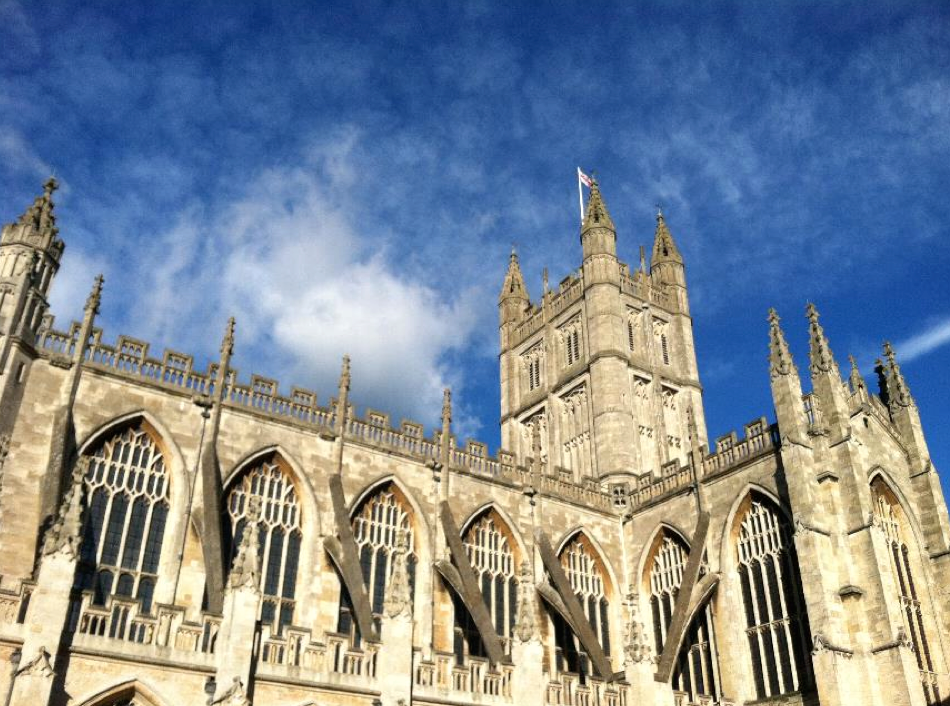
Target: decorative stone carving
x=65, y=534
x=526, y=623
x=234, y=696
x=399, y=594
x=245, y=572
x=39, y=666
x=636, y=646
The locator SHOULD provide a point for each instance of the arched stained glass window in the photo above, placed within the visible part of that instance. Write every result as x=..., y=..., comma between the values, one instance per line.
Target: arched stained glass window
x=587, y=577
x=776, y=621
x=126, y=491
x=697, y=665
x=892, y=521
x=279, y=535
x=376, y=525
x=488, y=544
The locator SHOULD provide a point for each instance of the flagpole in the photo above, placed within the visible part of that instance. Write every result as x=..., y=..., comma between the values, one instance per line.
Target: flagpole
x=580, y=194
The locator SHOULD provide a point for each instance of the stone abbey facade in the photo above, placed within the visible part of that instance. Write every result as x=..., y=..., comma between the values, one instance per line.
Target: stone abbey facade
x=176, y=535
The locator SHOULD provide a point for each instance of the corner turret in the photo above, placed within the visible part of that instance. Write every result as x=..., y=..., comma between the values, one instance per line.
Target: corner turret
x=513, y=300
x=666, y=263
x=598, y=234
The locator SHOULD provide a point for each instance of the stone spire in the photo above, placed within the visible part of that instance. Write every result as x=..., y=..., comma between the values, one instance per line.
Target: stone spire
x=596, y=215
x=246, y=569
x=898, y=393
x=855, y=379
x=398, y=591
x=513, y=286
x=821, y=359
x=95, y=295
x=780, y=357
x=664, y=247
x=526, y=622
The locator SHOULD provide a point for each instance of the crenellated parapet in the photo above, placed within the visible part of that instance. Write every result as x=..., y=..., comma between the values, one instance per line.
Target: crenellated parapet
x=173, y=371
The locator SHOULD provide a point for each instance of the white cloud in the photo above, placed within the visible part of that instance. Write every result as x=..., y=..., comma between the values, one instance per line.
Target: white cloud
x=306, y=287
x=931, y=338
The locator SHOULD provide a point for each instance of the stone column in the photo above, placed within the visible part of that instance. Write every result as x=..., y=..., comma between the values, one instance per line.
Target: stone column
x=527, y=653
x=49, y=605
x=234, y=649
x=394, y=662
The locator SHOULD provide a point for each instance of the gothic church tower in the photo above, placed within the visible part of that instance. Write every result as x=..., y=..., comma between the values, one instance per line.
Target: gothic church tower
x=605, y=365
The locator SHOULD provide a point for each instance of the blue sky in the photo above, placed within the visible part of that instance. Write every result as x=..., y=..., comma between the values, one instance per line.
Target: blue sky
x=349, y=177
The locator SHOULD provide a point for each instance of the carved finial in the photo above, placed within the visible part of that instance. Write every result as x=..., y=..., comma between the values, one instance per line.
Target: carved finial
x=39, y=217
x=398, y=592
x=821, y=359
x=65, y=534
x=544, y=280
x=345, y=375
x=227, y=343
x=526, y=621
x=446, y=407
x=49, y=186
x=636, y=647
x=780, y=357
x=898, y=393
x=513, y=285
x=855, y=379
x=246, y=568
x=643, y=259
x=95, y=295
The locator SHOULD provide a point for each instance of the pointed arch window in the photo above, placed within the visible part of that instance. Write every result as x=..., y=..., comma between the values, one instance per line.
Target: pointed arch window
x=587, y=577
x=377, y=523
x=697, y=665
x=776, y=621
x=892, y=521
x=279, y=534
x=488, y=544
x=126, y=489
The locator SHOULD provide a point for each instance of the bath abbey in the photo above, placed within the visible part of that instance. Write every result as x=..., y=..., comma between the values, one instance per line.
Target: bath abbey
x=176, y=533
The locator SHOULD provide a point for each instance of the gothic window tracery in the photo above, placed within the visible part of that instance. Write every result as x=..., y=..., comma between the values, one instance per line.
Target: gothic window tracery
x=776, y=622
x=377, y=523
x=533, y=362
x=890, y=518
x=126, y=487
x=697, y=665
x=587, y=577
x=279, y=534
x=570, y=335
x=488, y=544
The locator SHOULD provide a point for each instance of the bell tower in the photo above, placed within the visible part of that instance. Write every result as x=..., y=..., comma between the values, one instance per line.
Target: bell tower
x=604, y=365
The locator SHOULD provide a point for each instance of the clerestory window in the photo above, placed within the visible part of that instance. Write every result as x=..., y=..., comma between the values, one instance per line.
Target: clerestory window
x=377, y=523
x=279, y=535
x=890, y=518
x=776, y=621
x=697, y=665
x=489, y=547
x=127, y=494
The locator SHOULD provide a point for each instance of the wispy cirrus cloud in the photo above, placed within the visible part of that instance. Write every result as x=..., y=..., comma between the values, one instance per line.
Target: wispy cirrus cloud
x=934, y=336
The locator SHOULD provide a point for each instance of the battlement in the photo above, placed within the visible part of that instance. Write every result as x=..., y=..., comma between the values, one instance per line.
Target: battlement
x=175, y=371
x=760, y=439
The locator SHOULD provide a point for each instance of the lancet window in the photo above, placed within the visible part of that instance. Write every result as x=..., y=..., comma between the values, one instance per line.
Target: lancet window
x=126, y=488
x=697, y=665
x=587, y=577
x=572, y=347
x=279, y=535
x=377, y=524
x=776, y=622
x=890, y=518
x=490, y=552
